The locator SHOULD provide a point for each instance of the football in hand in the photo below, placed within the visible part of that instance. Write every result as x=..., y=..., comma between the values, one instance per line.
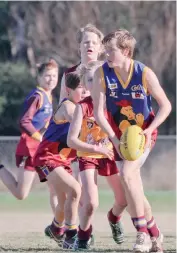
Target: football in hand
x=132, y=143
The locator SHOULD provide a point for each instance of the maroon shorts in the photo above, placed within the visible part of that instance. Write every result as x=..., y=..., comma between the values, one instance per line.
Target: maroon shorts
x=48, y=157
x=104, y=166
x=25, y=162
x=44, y=171
x=26, y=148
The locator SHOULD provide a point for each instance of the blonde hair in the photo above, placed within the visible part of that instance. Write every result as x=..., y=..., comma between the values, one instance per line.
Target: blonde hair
x=124, y=40
x=88, y=28
x=83, y=69
x=89, y=68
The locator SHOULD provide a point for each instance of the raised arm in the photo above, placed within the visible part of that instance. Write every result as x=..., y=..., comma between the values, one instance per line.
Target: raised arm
x=63, y=93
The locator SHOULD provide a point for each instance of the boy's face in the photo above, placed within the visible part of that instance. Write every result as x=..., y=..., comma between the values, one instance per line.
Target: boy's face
x=114, y=55
x=79, y=93
x=49, y=79
x=90, y=46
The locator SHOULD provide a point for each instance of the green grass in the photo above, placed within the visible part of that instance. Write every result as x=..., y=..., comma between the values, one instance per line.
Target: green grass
x=162, y=201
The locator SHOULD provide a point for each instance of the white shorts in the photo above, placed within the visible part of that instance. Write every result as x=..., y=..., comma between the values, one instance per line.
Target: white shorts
x=139, y=162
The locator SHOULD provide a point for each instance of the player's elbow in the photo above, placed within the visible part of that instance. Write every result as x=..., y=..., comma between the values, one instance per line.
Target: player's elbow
x=97, y=116
x=70, y=141
x=22, y=124
x=168, y=107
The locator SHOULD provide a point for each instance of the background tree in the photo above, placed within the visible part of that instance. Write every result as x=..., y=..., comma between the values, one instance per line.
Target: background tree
x=32, y=31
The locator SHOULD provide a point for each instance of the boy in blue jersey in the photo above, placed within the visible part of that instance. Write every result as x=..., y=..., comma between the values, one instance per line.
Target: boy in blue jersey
x=126, y=86
x=36, y=114
x=53, y=159
x=83, y=134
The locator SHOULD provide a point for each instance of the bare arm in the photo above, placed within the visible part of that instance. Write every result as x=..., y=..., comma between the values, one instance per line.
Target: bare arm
x=74, y=130
x=159, y=95
x=98, y=96
x=68, y=109
x=63, y=93
x=74, y=142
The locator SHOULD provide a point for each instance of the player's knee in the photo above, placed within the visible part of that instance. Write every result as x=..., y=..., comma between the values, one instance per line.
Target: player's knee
x=76, y=192
x=52, y=190
x=126, y=177
x=21, y=195
x=91, y=207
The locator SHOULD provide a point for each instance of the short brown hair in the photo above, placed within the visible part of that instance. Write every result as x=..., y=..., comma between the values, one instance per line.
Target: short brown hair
x=88, y=28
x=72, y=80
x=124, y=39
x=50, y=64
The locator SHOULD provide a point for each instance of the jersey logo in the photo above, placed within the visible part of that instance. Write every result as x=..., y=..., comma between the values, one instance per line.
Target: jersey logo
x=125, y=115
x=136, y=87
x=112, y=86
x=137, y=95
x=113, y=94
x=47, y=108
x=45, y=170
x=90, y=124
x=125, y=94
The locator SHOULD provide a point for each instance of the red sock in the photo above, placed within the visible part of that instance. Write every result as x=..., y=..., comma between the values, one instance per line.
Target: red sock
x=140, y=224
x=112, y=218
x=84, y=235
x=152, y=228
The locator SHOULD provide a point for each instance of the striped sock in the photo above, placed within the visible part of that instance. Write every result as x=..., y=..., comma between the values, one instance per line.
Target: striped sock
x=56, y=224
x=57, y=228
x=140, y=224
x=152, y=228
x=70, y=226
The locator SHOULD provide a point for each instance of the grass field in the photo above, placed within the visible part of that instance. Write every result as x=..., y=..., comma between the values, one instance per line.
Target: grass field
x=22, y=223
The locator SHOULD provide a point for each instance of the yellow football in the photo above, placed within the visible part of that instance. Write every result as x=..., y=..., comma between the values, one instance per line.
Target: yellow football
x=132, y=143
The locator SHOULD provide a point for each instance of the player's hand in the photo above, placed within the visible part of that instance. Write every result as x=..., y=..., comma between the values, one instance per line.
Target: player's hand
x=148, y=133
x=104, y=151
x=37, y=136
